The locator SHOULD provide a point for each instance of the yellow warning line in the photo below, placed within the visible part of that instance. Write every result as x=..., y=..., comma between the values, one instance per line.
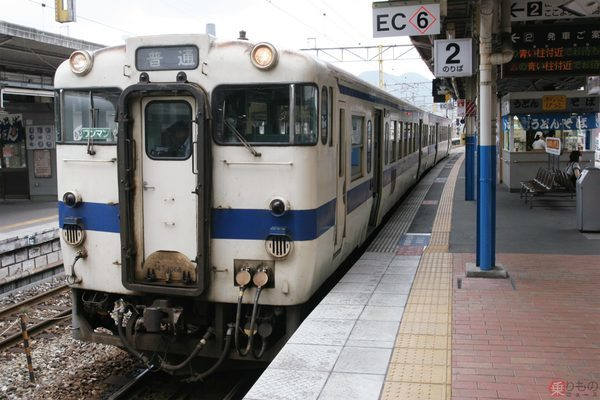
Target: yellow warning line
x=29, y=222
x=420, y=367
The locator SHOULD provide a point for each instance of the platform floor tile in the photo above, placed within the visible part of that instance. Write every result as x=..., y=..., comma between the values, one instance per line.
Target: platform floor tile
x=363, y=360
x=352, y=386
x=305, y=357
x=276, y=384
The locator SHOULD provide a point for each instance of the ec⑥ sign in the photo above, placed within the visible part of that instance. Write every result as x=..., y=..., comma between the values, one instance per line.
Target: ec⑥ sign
x=407, y=20
x=453, y=58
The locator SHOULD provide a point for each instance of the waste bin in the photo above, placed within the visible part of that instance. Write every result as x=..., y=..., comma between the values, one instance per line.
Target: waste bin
x=588, y=200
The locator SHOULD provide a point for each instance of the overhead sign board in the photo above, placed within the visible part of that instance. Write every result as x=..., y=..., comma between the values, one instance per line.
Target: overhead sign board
x=393, y=19
x=585, y=104
x=453, y=58
x=531, y=10
x=554, y=49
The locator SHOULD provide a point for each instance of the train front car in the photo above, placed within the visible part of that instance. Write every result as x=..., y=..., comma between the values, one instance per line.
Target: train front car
x=199, y=207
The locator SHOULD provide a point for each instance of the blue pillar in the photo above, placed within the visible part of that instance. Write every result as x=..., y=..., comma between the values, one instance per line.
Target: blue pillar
x=470, y=146
x=477, y=184
x=486, y=208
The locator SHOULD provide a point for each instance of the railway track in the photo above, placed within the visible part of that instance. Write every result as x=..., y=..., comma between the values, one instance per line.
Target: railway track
x=42, y=312
x=150, y=385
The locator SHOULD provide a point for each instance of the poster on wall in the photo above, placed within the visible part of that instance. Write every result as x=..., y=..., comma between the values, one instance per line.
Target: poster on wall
x=40, y=137
x=11, y=128
x=42, y=164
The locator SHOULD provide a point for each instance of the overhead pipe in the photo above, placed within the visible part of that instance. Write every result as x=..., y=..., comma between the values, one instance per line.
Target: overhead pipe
x=507, y=52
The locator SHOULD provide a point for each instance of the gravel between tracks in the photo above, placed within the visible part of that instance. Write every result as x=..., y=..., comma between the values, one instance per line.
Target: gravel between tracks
x=64, y=368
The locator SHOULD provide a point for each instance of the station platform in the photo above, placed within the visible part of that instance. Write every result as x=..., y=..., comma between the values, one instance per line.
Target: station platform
x=22, y=217
x=406, y=323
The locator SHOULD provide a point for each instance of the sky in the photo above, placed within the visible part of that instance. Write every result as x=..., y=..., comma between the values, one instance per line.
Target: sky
x=290, y=24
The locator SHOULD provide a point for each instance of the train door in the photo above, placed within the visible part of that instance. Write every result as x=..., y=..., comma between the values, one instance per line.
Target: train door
x=340, y=208
x=418, y=139
x=376, y=182
x=163, y=174
x=169, y=216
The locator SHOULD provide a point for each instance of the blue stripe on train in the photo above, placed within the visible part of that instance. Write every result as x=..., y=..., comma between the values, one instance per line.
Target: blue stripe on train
x=94, y=216
x=256, y=224
x=232, y=223
x=359, y=194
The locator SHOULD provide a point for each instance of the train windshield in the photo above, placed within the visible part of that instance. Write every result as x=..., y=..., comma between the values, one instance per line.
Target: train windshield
x=261, y=114
x=88, y=115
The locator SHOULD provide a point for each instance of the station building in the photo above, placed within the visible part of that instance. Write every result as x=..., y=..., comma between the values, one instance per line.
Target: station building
x=28, y=60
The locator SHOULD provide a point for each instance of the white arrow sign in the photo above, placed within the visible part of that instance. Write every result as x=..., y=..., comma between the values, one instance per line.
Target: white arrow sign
x=530, y=10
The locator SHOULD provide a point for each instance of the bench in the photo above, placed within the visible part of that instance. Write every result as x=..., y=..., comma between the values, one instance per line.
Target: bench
x=548, y=184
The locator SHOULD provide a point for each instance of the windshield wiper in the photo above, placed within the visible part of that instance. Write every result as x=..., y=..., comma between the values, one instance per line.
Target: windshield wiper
x=241, y=138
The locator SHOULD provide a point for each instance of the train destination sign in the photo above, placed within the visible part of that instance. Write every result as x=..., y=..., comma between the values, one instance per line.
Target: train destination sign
x=559, y=50
x=395, y=19
x=166, y=58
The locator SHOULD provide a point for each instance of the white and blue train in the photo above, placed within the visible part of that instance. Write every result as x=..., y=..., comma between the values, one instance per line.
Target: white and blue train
x=208, y=188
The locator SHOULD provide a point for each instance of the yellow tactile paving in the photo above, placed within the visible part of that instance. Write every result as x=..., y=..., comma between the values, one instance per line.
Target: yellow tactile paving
x=421, y=341
x=417, y=373
x=420, y=367
x=420, y=356
x=402, y=390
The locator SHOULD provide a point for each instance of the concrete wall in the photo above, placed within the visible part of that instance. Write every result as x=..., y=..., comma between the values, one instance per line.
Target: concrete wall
x=34, y=254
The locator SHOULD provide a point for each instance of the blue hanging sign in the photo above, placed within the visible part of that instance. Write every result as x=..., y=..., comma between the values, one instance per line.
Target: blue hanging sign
x=563, y=122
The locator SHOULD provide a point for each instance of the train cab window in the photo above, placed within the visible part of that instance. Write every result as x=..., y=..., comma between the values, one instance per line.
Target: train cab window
x=260, y=114
x=324, y=115
x=87, y=115
x=305, y=113
x=168, y=130
x=357, y=146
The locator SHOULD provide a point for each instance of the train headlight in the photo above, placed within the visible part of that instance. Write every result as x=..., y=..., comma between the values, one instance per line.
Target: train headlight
x=72, y=198
x=278, y=207
x=81, y=62
x=264, y=56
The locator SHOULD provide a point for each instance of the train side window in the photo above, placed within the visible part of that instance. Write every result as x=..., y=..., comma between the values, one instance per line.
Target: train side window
x=342, y=144
x=369, y=145
x=386, y=140
x=357, y=146
x=400, y=140
x=393, y=140
x=330, y=116
x=408, y=128
x=324, y=115
x=416, y=133
x=168, y=130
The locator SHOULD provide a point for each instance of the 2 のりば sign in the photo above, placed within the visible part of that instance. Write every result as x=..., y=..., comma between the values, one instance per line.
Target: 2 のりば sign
x=398, y=19
x=453, y=58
